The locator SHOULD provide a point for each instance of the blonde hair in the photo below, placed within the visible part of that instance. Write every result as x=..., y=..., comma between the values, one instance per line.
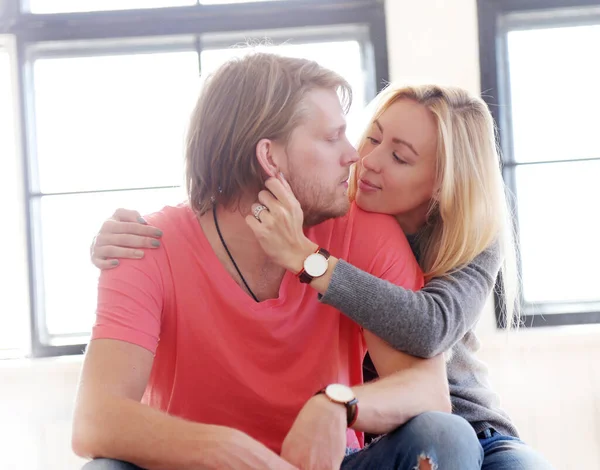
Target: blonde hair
x=258, y=96
x=470, y=211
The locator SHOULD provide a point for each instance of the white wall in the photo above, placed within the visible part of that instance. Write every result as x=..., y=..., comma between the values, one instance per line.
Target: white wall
x=36, y=401
x=433, y=41
x=549, y=379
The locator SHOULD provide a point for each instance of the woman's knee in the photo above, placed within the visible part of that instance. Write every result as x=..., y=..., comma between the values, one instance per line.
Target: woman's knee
x=510, y=453
x=109, y=464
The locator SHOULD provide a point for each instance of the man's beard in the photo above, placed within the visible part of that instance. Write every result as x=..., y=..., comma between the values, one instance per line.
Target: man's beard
x=317, y=203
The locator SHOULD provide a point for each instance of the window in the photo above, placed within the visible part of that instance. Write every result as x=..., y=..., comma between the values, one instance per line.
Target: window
x=108, y=132
x=544, y=77
x=105, y=98
x=14, y=313
x=222, y=2
x=70, y=6
x=127, y=112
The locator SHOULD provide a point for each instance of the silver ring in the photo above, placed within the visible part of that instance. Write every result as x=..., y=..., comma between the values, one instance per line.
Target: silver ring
x=258, y=210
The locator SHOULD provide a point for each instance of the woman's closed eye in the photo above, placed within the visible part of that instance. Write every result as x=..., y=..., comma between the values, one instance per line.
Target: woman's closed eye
x=398, y=159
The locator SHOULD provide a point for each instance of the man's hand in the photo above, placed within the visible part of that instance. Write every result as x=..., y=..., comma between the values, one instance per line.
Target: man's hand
x=241, y=452
x=317, y=440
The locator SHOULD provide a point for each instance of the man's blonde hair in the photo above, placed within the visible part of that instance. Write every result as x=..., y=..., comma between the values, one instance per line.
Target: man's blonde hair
x=258, y=96
x=470, y=212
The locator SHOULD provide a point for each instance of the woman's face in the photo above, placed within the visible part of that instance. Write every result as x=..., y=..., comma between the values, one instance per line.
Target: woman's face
x=396, y=172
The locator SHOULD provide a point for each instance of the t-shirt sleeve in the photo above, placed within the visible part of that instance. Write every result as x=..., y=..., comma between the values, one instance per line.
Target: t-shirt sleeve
x=130, y=302
x=380, y=248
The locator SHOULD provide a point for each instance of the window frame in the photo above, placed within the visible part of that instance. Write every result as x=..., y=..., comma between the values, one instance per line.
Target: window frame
x=126, y=31
x=8, y=46
x=496, y=18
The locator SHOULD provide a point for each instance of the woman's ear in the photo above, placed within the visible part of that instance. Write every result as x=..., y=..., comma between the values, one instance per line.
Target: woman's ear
x=437, y=190
x=266, y=157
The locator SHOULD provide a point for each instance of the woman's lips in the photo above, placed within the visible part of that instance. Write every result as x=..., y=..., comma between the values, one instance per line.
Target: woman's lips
x=366, y=185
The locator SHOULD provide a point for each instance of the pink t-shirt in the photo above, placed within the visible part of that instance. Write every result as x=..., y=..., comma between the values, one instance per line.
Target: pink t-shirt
x=220, y=357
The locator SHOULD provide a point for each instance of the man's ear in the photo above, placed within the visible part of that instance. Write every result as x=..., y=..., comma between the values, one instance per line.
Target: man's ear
x=267, y=158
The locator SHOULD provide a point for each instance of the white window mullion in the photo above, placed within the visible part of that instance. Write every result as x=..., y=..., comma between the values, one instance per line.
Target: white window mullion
x=14, y=280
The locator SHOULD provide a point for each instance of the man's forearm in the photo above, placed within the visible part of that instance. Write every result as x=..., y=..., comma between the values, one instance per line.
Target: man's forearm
x=123, y=429
x=389, y=402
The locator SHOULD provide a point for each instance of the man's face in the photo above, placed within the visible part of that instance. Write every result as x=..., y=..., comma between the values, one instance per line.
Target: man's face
x=318, y=158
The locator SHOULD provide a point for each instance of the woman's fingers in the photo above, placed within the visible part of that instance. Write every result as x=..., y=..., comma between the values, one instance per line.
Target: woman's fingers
x=283, y=193
x=124, y=240
x=285, y=182
x=123, y=236
x=112, y=226
x=261, y=215
x=105, y=263
x=111, y=252
x=126, y=215
x=269, y=201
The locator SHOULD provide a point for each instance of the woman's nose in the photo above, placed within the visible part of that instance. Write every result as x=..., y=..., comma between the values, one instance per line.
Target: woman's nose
x=371, y=162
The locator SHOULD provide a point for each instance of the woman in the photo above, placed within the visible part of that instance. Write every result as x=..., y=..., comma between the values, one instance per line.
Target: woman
x=429, y=159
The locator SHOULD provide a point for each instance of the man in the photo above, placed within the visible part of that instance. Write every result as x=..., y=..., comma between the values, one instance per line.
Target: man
x=225, y=351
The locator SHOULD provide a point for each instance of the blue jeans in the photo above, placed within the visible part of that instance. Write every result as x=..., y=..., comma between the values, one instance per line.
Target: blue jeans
x=446, y=440
x=509, y=453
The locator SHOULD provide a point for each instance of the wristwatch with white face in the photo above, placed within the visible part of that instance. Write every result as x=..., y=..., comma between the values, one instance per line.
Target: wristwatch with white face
x=315, y=265
x=343, y=395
